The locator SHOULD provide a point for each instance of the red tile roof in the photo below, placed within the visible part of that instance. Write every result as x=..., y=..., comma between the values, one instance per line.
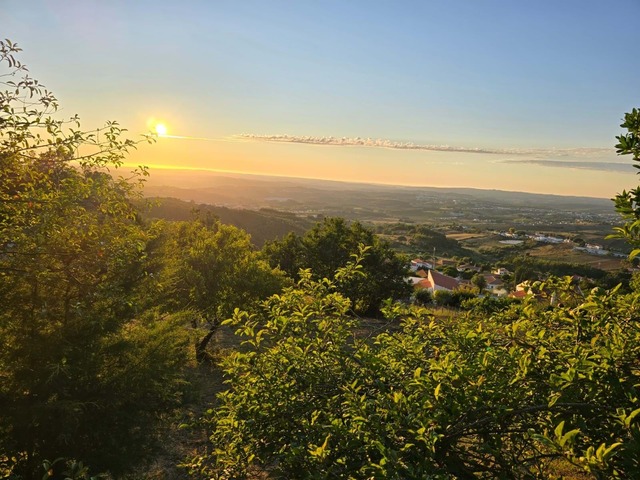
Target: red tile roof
x=518, y=294
x=444, y=281
x=426, y=283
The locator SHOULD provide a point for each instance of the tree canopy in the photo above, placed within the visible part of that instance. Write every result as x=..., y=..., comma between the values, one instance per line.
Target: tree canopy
x=330, y=245
x=207, y=268
x=627, y=203
x=85, y=372
x=520, y=393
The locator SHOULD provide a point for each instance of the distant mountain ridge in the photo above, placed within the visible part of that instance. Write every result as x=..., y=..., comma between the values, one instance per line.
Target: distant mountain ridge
x=368, y=202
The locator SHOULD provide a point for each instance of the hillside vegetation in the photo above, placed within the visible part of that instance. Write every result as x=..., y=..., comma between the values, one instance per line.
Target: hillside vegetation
x=263, y=225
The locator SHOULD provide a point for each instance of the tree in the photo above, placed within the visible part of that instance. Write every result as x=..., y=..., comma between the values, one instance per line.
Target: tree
x=443, y=298
x=479, y=281
x=450, y=271
x=85, y=373
x=627, y=203
x=423, y=297
x=209, y=269
x=328, y=246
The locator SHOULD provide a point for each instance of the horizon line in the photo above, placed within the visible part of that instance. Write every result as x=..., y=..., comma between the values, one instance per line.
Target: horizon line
x=407, y=185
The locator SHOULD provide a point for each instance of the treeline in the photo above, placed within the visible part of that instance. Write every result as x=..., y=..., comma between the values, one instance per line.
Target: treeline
x=531, y=268
x=263, y=225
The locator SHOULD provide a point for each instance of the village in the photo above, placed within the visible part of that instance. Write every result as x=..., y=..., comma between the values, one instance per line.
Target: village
x=449, y=281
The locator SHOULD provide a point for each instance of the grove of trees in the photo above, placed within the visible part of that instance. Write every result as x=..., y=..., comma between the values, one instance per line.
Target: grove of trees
x=330, y=245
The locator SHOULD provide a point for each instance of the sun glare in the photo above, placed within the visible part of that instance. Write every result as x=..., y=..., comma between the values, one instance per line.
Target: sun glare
x=161, y=129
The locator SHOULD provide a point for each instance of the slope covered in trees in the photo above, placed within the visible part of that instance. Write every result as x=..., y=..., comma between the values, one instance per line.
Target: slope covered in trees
x=263, y=225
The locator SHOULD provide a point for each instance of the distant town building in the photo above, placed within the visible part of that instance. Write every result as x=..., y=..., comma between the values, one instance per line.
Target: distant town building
x=418, y=263
x=438, y=281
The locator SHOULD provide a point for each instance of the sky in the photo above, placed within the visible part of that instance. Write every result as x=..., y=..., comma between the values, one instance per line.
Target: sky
x=499, y=94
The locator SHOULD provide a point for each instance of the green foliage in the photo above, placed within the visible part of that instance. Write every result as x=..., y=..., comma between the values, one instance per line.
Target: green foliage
x=263, y=225
x=423, y=297
x=443, y=298
x=68, y=470
x=479, y=281
x=450, y=271
x=532, y=268
x=627, y=203
x=424, y=240
x=453, y=299
x=488, y=304
x=84, y=371
x=329, y=245
x=511, y=395
x=208, y=269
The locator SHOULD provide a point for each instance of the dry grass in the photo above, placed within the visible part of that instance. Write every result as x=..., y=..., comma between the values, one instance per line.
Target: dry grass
x=465, y=236
x=566, y=254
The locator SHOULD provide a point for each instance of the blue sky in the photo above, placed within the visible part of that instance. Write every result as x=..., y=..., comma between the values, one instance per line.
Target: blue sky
x=545, y=78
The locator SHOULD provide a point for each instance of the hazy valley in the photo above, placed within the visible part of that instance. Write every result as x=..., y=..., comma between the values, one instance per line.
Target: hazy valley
x=297, y=203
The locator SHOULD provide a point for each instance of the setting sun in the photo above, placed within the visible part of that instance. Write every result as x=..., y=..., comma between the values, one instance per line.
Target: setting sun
x=161, y=129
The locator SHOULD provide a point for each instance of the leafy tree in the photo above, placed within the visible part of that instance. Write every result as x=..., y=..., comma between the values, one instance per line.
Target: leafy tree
x=627, y=203
x=514, y=395
x=443, y=298
x=488, y=304
x=288, y=254
x=450, y=271
x=423, y=297
x=84, y=372
x=329, y=245
x=209, y=269
x=479, y=281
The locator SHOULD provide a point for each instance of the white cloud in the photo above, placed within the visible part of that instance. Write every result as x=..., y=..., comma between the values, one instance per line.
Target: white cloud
x=385, y=143
x=599, y=166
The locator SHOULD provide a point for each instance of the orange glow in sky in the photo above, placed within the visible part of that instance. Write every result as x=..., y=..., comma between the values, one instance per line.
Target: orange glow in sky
x=531, y=87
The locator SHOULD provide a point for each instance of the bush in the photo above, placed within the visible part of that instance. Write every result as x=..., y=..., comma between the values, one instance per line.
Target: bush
x=515, y=395
x=423, y=297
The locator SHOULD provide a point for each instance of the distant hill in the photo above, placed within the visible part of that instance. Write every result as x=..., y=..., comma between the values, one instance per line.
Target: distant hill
x=380, y=203
x=262, y=225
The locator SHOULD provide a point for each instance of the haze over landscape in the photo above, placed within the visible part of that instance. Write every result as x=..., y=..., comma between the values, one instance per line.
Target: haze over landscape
x=494, y=95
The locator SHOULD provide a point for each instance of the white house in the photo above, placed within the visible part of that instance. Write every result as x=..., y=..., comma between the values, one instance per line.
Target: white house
x=419, y=264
